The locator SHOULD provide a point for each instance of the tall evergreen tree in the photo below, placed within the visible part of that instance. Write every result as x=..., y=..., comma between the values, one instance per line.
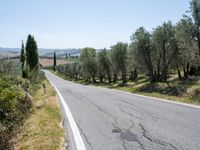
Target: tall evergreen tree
x=22, y=56
x=54, y=61
x=32, y=59
x=23, y=62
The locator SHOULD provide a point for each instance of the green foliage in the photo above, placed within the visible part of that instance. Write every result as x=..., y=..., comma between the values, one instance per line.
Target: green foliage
x=8, y=98
x=88, y=63
x=32, y=59
x=10, y=67
x=104, y=65
x=15, y=106
x=195, y=10
x=165, y=49
x=11, y=91
x=54, y=60
x=141, y=49
x=119, y=58
x=22, y=55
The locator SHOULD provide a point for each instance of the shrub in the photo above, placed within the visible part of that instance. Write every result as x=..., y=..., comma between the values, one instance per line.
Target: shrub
x=15, y=105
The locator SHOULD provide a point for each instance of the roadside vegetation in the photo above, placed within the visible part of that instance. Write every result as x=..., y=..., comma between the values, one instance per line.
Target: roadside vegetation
x=164, y=62
x=15, y=107
x=21, y=83
x=43, y=129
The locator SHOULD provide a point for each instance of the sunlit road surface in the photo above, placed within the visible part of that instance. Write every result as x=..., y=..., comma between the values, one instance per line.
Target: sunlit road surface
x=112, y=120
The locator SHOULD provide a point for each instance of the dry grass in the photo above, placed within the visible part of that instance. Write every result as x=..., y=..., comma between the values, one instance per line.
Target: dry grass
x=43, y=130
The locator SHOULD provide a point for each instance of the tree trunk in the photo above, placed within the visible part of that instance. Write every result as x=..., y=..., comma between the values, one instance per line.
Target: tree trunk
x=179, y=74
x=134, y=75
x=115, y=77
x=93, y=80
x=199, y=43
x=101, y=78
x=164, y=70
x=108, y=74
x=158, y=69
x=109, y=78
x=185, y=73
x=124, y=76
x=188, y=68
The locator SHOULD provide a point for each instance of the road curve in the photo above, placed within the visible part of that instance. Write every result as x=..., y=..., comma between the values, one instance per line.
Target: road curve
x=112, y=120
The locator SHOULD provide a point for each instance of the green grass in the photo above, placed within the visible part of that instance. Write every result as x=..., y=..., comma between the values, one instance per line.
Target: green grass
x=186, y=91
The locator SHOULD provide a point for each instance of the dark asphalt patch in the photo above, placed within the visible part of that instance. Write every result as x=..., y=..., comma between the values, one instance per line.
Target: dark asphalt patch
x=116, y=130
x=128, y=136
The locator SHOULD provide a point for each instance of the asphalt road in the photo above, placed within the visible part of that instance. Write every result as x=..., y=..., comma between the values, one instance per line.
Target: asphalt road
x=112, y=120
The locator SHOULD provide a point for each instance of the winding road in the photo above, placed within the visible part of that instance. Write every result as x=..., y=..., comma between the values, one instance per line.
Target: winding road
x=112, y=120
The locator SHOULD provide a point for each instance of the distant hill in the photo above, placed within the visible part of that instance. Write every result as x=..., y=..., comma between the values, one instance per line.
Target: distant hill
x=9, y=52
x=5, y=49
x=43, y=52
x=61, y=53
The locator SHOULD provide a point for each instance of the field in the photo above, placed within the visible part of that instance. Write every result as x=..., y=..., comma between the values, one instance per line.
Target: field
x=7, y=54
x=49, y=61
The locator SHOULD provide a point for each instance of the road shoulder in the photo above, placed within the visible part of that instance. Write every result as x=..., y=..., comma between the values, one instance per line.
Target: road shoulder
x=43, y=130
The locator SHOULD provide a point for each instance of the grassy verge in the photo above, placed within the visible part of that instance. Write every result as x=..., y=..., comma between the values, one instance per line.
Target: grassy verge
x=186, y=91
x=43, y=130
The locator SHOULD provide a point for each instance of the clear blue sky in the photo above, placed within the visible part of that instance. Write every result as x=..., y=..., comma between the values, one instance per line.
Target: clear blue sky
x=81, y=23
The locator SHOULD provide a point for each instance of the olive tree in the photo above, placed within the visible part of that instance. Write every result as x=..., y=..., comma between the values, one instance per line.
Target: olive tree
x=119, y=57
x=88, y=63
x=104, y=65
x=165, y=49
x=141, y=50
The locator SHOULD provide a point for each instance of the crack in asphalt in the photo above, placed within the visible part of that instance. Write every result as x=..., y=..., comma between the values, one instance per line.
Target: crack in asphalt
x=114, y=124
x=140, y=110
x=133, y=124
x=141, y=145
x=120, y=131
x=124, y=144
x=156, y=141
x=128, y=131
x=118, y=128
x=100, y=109
x=131, y=114
x=85, y=136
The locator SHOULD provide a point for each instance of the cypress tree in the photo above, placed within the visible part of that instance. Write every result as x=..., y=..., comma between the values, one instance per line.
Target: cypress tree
x=31, y=53
x=23, y=61
x=22, y=55
x=54, y=61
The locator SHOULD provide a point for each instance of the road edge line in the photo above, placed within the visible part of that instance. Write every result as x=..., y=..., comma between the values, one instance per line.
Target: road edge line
x=159, y=99
x=74, y=128
x=149, y=97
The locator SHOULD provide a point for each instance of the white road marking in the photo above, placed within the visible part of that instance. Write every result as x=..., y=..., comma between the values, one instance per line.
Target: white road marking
x=75, y=131
x=149, y=97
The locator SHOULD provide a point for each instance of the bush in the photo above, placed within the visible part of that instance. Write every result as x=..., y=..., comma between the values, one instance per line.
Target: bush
x=194, y=92
x=15, y=105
